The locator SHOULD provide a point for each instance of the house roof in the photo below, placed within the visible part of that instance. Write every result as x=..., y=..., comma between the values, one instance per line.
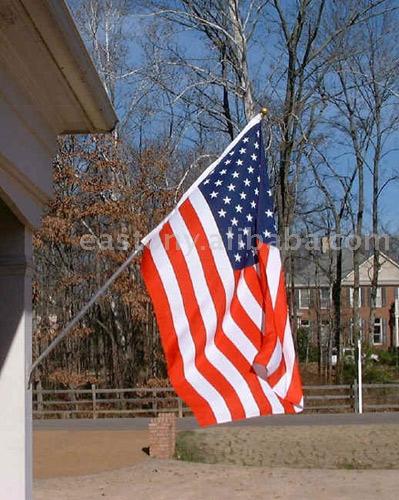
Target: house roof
x=311, y=270
x=41, y=48
x=388, y=273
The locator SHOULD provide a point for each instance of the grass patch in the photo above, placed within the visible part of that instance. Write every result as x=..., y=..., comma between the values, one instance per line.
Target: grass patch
x=188, y=447
x=310, y=447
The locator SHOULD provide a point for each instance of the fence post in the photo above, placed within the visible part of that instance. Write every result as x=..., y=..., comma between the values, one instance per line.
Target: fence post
x=154, y=403
x=93, y=397
x=73, y=400
x=355, y=394
x=39, y=397
x=180, y=407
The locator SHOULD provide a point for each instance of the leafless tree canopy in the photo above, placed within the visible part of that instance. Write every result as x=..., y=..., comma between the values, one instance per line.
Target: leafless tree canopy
x=185, y=76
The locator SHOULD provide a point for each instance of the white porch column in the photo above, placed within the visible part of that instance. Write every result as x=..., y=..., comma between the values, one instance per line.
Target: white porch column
x=15, y=357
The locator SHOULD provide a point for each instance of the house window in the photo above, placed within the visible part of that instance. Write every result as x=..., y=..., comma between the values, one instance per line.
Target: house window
x=304, y=323
x=377, y=335
x=304, y=298
x=324, y=298
x=378, y=298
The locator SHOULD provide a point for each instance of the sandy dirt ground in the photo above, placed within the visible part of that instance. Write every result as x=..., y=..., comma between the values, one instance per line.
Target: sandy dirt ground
x=170, y=480
x=78, y=453
x=90, y=465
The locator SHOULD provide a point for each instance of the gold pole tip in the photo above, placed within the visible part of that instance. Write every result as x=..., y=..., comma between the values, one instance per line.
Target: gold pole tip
x=264, y=111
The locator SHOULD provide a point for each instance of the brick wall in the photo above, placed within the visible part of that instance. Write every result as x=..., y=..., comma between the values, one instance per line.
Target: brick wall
x=163, y=435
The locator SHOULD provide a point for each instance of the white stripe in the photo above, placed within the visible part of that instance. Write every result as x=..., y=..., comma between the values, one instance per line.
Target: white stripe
x=192, y=188
x=225, y=271
x=249, y=303
x=275, y=359
x=273, y=269
x=182, y=328
x=277, y=407
x=261, y=373
x=234, y=333
x=282, y=386
x=299, y=407
x=209, y=316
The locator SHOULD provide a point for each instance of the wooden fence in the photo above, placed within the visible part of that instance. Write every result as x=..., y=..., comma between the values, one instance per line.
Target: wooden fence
x=148, y=402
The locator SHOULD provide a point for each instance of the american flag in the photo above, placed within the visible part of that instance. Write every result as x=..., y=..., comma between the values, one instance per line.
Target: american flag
x=214, y=275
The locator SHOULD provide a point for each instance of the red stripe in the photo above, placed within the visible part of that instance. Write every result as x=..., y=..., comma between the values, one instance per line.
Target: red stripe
x=270, y=329
x=281, y=316
x=253, y=281
x=243, y=320
x=217, y=292
x=197, y=403
x=197, y=327
x=294, y=394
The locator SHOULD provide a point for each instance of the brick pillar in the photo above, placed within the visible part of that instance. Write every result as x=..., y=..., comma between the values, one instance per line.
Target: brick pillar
x=163, y=435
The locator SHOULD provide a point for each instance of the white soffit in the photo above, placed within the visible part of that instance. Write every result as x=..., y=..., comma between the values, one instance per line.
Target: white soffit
x=41, y=48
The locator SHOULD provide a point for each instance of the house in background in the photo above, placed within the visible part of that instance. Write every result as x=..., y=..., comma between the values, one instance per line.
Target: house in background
x=48, y=86
x=314, y=302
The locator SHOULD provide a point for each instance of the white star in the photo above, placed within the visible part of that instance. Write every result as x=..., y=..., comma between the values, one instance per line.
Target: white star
x=229, y=234
x=218, y=182
x=269, y=213
x=238, y=208
x=237, y=257
x=249, y=218
x=256, y=191
x=214, y=194
x=231, y=187
x=245, y=139
x=258, y=178
x=247, y=182
x=206, y=182
x=235, y=174
x=256, y=145
x=257, y=133
x=227, y=200
x=269, y=192
x=245, y=231
x=222, y=213
x=234, y=221
x=242, y=151
x=239, y=162
x=227, y=161
x=253, y=204
x=267, y=233
x=241, y=244
x=243, y=195
x=223, y=172
x=254, y=157
x=231, y=153
x=250, y=170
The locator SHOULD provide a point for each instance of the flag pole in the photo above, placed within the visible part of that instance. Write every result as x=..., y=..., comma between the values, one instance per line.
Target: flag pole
x=102, y=290
x=83, y=311
x=359, y=375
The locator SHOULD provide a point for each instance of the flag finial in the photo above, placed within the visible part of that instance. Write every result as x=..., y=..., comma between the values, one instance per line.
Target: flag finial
x=264, y=112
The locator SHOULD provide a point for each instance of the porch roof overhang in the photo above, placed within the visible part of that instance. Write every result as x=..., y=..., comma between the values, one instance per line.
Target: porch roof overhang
x=42, y=49
x=48, y=86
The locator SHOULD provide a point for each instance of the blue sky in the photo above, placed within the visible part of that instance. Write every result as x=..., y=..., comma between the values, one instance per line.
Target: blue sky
x=261, y=57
